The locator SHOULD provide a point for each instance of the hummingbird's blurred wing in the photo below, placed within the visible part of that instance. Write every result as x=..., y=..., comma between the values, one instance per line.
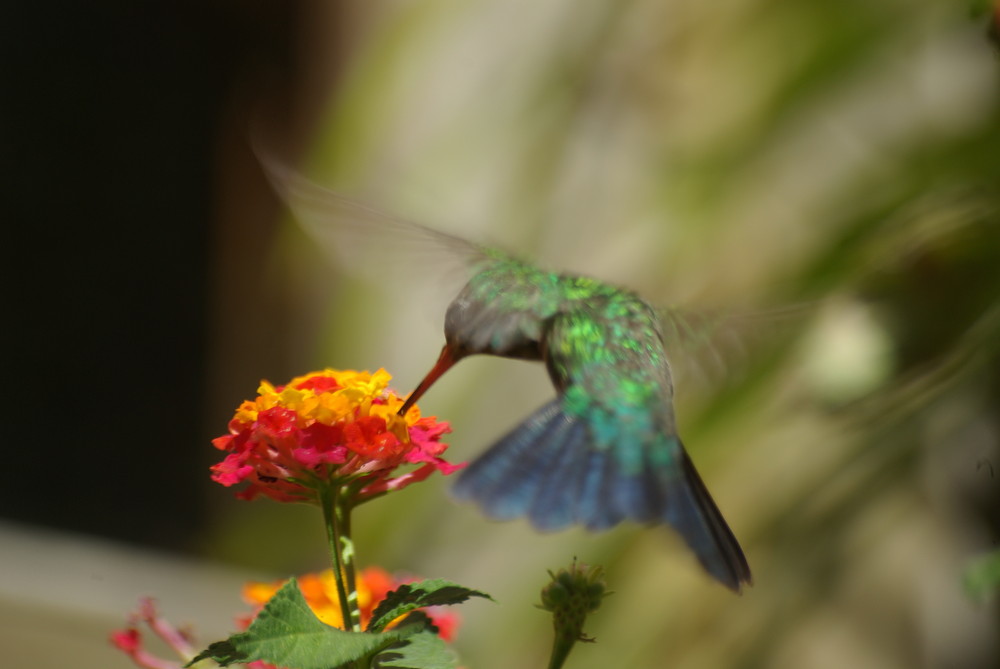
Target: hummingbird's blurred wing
x=605, y=449
x=365, y=240
x=713, y=348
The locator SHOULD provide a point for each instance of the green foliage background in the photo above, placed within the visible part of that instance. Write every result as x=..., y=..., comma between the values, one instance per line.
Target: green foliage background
x=741, y=154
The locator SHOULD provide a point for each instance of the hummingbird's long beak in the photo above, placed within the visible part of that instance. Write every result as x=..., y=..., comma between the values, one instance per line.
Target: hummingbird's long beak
x=447, y=358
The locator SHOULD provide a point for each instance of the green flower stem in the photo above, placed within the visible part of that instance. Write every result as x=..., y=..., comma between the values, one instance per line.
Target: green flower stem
x=334, y=517
x=561, y=647
x=343, y=508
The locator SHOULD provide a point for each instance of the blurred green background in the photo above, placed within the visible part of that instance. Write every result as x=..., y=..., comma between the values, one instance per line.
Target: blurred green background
x=737, y=156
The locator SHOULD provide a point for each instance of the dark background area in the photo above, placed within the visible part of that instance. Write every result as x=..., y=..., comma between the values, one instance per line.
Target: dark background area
x=113, y=121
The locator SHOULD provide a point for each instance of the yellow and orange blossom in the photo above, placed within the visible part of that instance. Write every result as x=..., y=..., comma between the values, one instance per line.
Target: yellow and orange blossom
x=324, y=427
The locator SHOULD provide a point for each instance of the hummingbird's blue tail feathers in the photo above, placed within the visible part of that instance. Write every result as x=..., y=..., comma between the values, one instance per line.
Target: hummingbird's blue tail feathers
x=638, y=496
x=507, y=479
x=688, y=507
x=550, y=470
x=536, y=471
x=598, y=482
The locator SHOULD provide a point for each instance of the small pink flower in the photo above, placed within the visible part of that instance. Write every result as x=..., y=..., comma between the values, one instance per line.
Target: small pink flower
x=130, y=640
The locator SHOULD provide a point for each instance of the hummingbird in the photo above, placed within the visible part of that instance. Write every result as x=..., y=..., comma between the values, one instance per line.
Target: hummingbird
x=606, y=448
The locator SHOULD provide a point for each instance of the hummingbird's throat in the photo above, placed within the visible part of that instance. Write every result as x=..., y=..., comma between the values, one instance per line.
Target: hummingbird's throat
x=447, y=358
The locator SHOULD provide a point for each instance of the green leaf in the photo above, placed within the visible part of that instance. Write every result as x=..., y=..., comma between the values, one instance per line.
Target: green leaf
x=414, y=623
x=424, y=650
x=288, y=634
x=406, y=598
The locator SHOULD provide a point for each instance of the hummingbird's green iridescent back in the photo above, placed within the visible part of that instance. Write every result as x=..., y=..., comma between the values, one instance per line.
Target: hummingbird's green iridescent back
x=504, y=307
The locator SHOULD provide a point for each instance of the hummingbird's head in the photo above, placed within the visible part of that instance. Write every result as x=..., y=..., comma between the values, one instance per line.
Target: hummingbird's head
x=492, y=327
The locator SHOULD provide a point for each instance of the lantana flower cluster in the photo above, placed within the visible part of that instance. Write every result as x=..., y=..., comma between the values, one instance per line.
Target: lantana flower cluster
x=328, y=427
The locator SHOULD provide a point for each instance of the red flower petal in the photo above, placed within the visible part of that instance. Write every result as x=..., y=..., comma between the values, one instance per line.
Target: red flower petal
x=320, y=384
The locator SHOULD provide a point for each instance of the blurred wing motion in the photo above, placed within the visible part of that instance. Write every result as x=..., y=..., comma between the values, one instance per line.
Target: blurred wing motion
x=713, y=348
x=365, y=240
x=606, y=449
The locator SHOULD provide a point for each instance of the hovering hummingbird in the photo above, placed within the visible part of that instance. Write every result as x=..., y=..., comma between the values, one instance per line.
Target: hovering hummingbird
x=606, y=448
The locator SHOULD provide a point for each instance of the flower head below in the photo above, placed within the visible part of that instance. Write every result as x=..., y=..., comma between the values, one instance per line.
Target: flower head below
x=318, y=589
x=320, y=592
x=328, y=427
